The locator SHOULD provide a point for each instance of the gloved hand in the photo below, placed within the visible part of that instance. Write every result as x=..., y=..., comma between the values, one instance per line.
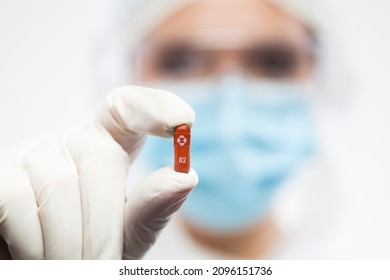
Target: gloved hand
x=64, y=197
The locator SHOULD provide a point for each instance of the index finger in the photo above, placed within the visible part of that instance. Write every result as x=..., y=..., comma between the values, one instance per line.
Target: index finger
x=129, y=113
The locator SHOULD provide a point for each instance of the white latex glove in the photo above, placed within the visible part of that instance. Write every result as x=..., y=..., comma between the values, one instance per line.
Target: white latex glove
x=64, y=197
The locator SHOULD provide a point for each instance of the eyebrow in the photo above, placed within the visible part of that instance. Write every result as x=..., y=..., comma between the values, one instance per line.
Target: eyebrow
x=268, y=45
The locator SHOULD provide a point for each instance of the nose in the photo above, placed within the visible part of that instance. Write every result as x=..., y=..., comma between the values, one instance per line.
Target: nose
x=228, y=61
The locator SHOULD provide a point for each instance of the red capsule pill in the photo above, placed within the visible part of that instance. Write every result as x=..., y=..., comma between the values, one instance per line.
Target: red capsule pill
x=182, y=141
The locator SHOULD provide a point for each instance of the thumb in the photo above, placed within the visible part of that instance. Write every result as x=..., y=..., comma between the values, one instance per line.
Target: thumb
x=149, y=206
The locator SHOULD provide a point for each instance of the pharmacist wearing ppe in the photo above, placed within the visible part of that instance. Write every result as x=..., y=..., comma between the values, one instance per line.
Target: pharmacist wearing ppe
x=246, y=69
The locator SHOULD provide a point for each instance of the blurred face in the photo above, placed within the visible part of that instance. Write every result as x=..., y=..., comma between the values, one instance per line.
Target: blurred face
x=242, y=65
x=213, y=37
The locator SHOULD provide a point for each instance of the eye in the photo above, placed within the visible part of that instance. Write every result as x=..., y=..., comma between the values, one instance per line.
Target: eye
x=273, y=62
x=180, y=64
x=174, y=62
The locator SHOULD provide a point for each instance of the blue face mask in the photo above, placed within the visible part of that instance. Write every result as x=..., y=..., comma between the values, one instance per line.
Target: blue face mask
x=247, y=139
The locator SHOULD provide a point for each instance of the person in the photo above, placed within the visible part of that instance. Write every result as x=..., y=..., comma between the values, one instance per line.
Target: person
x=246, y=78
x=246, y=68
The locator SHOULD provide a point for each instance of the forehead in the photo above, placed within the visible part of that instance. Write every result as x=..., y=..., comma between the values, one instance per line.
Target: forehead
x=230, y=22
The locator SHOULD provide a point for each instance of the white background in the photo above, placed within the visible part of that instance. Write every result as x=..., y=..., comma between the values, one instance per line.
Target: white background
x=45, y=83
x=43, y=67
